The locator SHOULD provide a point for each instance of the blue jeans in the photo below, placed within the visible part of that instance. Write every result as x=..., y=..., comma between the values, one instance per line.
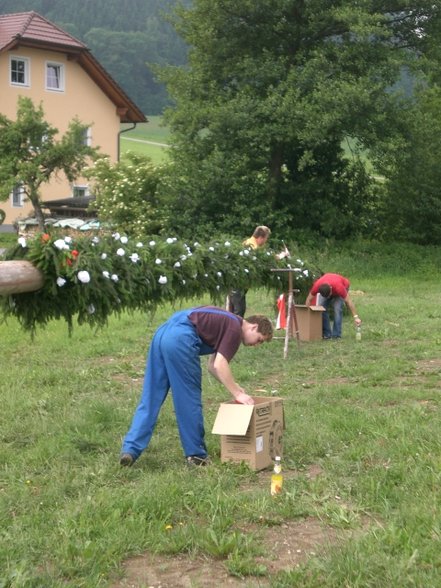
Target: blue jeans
x=336, y=303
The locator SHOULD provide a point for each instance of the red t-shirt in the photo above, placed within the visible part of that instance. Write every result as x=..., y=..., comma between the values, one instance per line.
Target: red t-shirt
x=221, y=330
x=338, y=283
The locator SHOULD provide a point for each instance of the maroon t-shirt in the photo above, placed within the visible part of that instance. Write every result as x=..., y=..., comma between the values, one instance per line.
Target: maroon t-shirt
x=221, y=330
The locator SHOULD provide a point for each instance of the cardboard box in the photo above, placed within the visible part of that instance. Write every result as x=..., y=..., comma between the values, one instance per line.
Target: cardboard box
x=251, y=433
x=310, y=322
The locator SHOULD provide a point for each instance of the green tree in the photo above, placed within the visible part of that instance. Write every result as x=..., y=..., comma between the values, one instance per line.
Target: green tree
x=271, y=91
x=126, y=194
x=31, y=153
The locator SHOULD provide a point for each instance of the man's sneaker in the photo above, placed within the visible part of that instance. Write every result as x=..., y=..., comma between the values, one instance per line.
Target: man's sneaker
x=126, y=459
x=196, y=460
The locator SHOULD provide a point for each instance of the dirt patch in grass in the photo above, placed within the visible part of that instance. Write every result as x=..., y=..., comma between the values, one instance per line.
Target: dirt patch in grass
x=286, y=546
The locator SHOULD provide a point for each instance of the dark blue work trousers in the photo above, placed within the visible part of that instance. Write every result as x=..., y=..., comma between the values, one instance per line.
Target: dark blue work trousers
x=173, y=362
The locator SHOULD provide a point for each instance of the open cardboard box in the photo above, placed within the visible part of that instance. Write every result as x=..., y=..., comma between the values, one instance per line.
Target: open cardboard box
x=251, y=433
x=310, y=322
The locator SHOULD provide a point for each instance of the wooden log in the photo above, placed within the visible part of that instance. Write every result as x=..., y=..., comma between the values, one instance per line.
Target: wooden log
x=19, y=276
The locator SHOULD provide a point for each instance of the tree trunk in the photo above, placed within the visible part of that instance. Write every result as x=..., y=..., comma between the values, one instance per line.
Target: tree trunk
x=17, y=277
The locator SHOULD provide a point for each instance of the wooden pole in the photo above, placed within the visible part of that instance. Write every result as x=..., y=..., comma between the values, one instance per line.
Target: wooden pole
x=18, y=276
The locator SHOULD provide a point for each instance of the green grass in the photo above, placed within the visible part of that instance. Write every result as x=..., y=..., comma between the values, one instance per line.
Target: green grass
x=367, y=414
x=143, y=135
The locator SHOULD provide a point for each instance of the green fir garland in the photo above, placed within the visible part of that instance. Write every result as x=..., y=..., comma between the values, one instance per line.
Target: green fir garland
x=93, y=277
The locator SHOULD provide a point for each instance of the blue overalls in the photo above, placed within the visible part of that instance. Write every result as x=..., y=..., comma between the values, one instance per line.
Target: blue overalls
x=173, y=362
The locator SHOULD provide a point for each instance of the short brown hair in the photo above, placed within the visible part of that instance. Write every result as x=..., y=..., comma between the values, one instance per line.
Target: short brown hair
x=325, y=290
x=261, y=231
x=264, y=325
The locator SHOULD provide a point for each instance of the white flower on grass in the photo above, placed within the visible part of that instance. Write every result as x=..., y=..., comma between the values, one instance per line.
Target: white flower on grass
x=169, y=240
x=106, y=274
x=158, y=261
x=162, y=279
x=124, y=240
x=68, y=239
x=91, y=309
x=60, y=282
x=22, y=241
x=177, y=264
x=139, y=244
x=116, y=236
x=114, y=277
x=152, y=243
x=134, y=257
x=84, y=276
x=120, y=252
x=61, y=244
x=103, y=255
x=227, y=244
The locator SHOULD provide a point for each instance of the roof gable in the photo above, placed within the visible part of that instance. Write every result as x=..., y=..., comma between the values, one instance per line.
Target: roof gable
x=29, y=29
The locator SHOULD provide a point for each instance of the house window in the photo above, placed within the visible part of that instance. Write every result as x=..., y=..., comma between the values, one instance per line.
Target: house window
x=19, y=71
x=87, y=137
x=54, y=76
x=17, y=196
x=80, y=191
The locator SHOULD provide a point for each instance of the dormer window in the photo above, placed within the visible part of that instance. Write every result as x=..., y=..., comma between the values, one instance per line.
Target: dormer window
x=54, y=76
x=19, y=71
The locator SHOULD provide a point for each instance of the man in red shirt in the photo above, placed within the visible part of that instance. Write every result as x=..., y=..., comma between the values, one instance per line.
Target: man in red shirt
x=173, y=362
x=333, y=290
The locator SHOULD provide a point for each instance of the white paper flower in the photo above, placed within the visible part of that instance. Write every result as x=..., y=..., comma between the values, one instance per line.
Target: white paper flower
x=106, y=274
x=170, y=240
x=114, y=277
x=241, y=253
x=247, y=271
x=116, y=236
x=103, y=255
x=227, y=244
x=134, y=257
x=218, y=287
x=96, y=240
x=162, y=279
x=91, y=309
x=183, y=257
x=195, y=244
x=124, y=240
x=22, y=241
x=205, y=275
x=61, y=244
x=158, y=261
x=84, y=276
x=68, y=239
x=305, y=273
x=139, y=244
x=152, y=243
x=219, y=274
x=183, y=282
x=177, y=264
x=246, y=252
x=120, y=252
x=211, y=249
x=60, y=282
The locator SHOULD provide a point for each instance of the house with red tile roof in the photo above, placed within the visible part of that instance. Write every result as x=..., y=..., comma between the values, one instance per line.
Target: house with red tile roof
x=41, y=61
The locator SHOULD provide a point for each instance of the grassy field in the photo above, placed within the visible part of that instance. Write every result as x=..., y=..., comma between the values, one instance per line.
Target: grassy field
x=362, y=452
x=142, y=139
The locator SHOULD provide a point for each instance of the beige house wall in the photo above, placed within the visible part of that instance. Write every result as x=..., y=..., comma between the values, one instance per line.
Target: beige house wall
x=81, y=98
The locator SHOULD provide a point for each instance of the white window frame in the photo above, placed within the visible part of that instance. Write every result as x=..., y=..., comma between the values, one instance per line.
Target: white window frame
x=60, y=77
x=17, y=197
x=87, y=137
x=84, y=188
x=26, y=71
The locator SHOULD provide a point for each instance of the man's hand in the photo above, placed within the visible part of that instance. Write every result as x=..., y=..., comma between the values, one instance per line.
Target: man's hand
x=243, y=398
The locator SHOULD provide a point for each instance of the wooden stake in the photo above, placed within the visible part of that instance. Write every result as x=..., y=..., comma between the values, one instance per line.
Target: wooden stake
x=18, y=276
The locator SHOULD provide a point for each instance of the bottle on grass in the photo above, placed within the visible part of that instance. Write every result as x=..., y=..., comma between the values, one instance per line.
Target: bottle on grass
x=277, y=477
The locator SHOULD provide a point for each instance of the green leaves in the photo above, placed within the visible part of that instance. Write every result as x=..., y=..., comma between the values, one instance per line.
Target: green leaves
x=91, y=278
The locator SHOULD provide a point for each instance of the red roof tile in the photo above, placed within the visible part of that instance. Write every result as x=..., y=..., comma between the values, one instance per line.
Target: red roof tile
x=31, y=27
